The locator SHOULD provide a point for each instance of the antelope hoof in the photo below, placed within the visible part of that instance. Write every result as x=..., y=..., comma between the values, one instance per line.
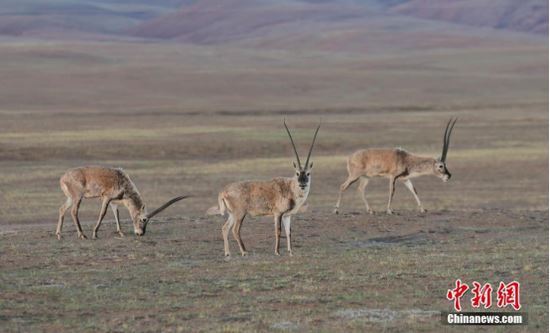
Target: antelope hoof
x=277, y=253
x=58, y=236
x=290, y=254
x=389, y=211
x=244, y=254
x=227, y=254
x=336, y=211
x=422, y=210
x=82, y=236
x=94, y=236
x=121, y=234
x=370, y=211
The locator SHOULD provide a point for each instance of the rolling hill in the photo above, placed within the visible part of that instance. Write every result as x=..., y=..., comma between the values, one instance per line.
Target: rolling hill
x=77, y=18
x=287, y=23
x=527, y=16
x=333, y=25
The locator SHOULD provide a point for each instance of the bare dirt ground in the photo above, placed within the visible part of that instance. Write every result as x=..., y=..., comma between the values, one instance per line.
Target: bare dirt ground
x=179, y=126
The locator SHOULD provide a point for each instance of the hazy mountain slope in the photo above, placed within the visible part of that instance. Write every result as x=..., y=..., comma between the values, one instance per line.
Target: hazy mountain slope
x=356, y=26
x=281, y=22
x=525, y=15
x=69, y=17
x=211, y=21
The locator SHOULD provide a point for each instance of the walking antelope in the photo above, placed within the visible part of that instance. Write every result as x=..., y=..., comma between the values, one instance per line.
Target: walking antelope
x=395, y=164
x=112, y=186
x=280, y=197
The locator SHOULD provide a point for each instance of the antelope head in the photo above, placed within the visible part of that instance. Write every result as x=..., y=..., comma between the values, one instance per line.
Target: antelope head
x=141, y=219
x=303, y=172
x=440, y=166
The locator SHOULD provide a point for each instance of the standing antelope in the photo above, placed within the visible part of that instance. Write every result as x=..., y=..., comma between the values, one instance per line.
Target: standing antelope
x=280, y=197
x=112, y=186
x=395, y=164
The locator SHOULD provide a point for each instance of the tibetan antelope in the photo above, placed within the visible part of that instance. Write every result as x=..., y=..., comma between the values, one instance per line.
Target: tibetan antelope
x=113, y=187
x=395, y=164
x=280, y=197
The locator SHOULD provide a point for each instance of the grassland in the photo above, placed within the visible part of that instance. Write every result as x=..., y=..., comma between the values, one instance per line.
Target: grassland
x=188, y=119
x=348, y=274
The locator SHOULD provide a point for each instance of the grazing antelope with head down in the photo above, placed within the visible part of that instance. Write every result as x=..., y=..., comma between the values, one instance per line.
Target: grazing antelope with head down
x=112, y=186
x=280, y=197
x=395, y=164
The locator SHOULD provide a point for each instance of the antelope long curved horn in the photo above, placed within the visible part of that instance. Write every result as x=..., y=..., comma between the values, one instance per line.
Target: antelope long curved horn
x=293, y=145
x=169, y=203
x=447, y=138
x=312, y=144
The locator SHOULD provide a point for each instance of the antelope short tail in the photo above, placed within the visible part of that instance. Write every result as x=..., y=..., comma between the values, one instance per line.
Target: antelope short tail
x=219, y=209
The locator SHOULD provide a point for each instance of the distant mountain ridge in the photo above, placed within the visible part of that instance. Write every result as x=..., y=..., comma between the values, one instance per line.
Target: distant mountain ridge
x=213, y=21
x=73, y=17
x=523, y=15
x=221, y=21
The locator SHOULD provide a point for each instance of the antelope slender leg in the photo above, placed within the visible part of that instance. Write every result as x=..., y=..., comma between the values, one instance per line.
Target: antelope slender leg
x=361, y=190
x=114, y=208
x=411, y=188
x=237, y=234
x=286, y=223
x=392, y=191
x=351, y=179
x=225, y=232
x=277, y=219
x=74, y=215
x=104, y=205
x=62, y=211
